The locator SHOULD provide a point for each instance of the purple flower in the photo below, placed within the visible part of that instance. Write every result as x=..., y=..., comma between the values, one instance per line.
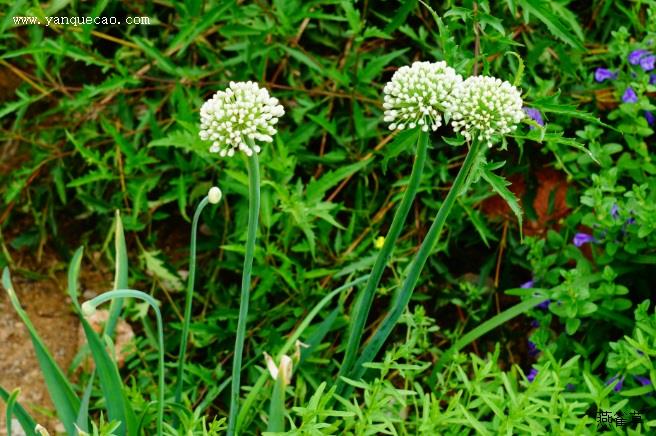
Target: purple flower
x=533, y=350
x=602, y=74
x=582, y=238
x=652, y=79
x=630, y=221
x=535, y=323
x=629, y=96
x=535, y=115
x=647, y=63
x=527, y=285
x=570, y=387
x=636, y=55
x=645, y=381
x=615, y=211
x=531, y=375
x=544, y=305
x=650, y=118
x=618, y=386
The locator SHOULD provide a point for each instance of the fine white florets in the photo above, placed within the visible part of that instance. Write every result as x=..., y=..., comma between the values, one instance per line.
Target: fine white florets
x=242, y=112
x=418, y=95
x=484, y=107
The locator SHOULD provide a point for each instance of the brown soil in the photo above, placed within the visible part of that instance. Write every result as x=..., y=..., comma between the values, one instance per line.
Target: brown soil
x=48, y=306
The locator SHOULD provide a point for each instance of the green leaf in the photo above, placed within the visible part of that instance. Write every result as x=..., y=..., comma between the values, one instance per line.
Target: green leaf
x=541, y=10
x=316, y=189
x=61, y=392
x=158, y=268
x=26, y=421
x=499, y=184
x=118, y=408
x=120, y=274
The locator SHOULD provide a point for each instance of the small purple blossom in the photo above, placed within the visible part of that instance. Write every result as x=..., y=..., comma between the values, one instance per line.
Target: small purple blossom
x=582, y=239
x=645, y=381
x=629, y=96
x=650, y=118
x=544, y=305
x=531, y=375
x=647, y=63
x=652, y=79
x=570, y=387
x=636, y=55
x=615, y=211
x=535, y=115
x=618, y=386
x=535, y=323
x=527, y=285
x=533, y=349
x=602, y=74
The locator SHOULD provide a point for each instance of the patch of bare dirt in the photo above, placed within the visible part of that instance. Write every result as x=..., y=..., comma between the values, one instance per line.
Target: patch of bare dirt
x=49, y=307
x=49, y=310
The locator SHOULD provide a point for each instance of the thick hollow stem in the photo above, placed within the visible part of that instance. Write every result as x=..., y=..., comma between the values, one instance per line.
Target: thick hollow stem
x=188, y=300
x=131, y=293
x=375, y=344
x=366, y=298
x=253, y=215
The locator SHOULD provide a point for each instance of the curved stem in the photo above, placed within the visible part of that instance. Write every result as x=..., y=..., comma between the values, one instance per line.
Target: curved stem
x=253, y=215
x=375, y=344
x=188, y=299
x=131, y=293
x=366, y=298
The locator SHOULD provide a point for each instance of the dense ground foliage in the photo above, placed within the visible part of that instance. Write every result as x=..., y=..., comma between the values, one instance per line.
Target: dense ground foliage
x=102, y=118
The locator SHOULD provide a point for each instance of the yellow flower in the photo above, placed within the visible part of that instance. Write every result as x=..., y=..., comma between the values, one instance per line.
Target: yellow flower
x=379, y=241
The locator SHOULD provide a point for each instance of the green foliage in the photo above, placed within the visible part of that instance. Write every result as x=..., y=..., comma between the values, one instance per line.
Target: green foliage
x=98, y=118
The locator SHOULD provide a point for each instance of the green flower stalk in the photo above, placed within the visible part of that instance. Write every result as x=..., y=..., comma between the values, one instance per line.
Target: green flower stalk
x=213, y=197
x=89, y=307
x=482, y=109
x=233, y=120
x=415, y=98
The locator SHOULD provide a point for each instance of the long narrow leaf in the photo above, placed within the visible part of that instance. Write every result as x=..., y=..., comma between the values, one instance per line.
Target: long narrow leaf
x=118, y=408
x=24, y=418
x=120, y=275
x=61, y=392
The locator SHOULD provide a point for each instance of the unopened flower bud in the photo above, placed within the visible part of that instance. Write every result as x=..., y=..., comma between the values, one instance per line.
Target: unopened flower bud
x=214, y=195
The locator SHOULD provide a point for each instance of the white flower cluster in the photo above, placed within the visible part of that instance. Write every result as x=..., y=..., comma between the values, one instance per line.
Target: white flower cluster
x=484, y=107
x=418, y=95
x=242, y=113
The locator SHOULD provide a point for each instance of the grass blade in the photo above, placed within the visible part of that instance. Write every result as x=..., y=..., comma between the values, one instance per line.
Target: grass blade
x=118, y=408
x=120, y=275
x=61, y=392
x=24, y=418
x=485, y=328
x=255, y=390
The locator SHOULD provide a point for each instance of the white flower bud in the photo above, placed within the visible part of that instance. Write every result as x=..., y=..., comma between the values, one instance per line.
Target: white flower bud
x=243, y=110
x=88, y=308
x=41, y=430
x=484, y=107
x=214, y=195
x=284, y=369
x=419, y=94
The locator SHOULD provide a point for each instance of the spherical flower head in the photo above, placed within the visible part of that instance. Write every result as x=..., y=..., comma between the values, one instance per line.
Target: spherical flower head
x=237, y=117
x=418, y=95
x=485, y=107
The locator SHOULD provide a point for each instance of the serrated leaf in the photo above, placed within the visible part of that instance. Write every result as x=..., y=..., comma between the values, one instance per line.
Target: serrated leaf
x=316, y=189
x=499, y=185
x=156, y=266
x=541, y=11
